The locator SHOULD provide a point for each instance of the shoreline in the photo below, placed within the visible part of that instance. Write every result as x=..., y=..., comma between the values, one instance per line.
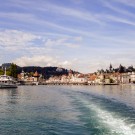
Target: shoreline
x=56, y=84
x=80, y=84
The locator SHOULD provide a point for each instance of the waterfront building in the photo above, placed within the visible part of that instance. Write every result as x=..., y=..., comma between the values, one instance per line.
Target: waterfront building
x=132, y=77
x=97, y=80
x=54, y=79
x=107, y=78
x=115, y=77
x=100, y=78
x=36, y=76
x=125, y=78
x=64, y=79
x=29, y=78
x=22, y=76
x=79, y=78
x=70, y=73
x=59, y=69
x=92, y=78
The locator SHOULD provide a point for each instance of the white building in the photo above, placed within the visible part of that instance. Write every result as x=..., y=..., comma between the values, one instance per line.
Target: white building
x=132, y=77
x=125, y=78
x=79, y=78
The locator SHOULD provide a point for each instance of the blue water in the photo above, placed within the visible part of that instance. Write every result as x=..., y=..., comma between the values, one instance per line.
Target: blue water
x=68, y=110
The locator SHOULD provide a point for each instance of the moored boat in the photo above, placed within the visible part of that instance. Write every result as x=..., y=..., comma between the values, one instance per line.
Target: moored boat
x=7, y=81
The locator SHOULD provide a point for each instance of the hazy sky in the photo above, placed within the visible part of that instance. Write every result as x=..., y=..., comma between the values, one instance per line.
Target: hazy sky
x=84, y=35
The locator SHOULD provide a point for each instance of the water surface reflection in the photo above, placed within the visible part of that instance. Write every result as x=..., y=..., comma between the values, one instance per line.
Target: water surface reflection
x=58, y=110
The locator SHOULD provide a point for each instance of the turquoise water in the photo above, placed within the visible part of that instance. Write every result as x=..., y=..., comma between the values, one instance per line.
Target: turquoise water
x=68, y=110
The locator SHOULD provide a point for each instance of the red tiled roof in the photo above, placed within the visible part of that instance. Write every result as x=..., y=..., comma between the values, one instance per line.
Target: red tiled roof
x=36, y=74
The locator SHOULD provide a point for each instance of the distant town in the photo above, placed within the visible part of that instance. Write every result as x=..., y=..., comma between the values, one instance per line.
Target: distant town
x=33, y=75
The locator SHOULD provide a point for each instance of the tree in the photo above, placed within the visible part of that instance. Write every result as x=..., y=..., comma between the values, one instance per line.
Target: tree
x=130, y=68
x=107, y=71
x=111, y=80
x=102, y=71
x=1, y=72
x=8, y=73
x=110, y=67
x=13, y=70
x=121, y=69
x=31, y=74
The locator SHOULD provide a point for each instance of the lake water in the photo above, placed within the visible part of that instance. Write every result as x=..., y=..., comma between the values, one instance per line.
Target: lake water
x=68, y=110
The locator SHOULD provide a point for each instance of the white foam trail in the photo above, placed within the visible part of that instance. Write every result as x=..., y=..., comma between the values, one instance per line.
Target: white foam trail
x=116, y=125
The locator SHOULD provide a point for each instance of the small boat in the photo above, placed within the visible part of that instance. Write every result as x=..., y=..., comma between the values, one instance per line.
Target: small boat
x=7, y=81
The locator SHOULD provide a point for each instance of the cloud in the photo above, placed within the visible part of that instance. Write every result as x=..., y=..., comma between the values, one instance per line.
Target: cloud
x=119, y=19
x=33, y=19
x=79, y=38
x=35, y=61
x=55, y=42
x=41, y=8
x=98, y=59
x=116, y=8
x=84, y=15
x=57, y=9
x=74, y=13
x=56, y=34
x=15, y=39
x=124, y=15
x=130, y=3
x=72, y=42
x=28, y=18
x=44, y=60
x=77, y=1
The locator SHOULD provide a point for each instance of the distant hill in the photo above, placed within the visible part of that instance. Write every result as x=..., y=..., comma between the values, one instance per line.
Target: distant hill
x=45, y=71
x=6, y=65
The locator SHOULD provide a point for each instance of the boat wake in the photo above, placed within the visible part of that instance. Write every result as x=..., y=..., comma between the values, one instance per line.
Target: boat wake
x=103, y=116
x=111, y=121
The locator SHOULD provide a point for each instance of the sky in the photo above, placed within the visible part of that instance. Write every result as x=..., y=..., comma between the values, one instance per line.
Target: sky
x=83, y=35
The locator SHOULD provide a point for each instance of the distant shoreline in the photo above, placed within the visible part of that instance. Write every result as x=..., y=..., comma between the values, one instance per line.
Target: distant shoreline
x=68, y=84
x=74, y=84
